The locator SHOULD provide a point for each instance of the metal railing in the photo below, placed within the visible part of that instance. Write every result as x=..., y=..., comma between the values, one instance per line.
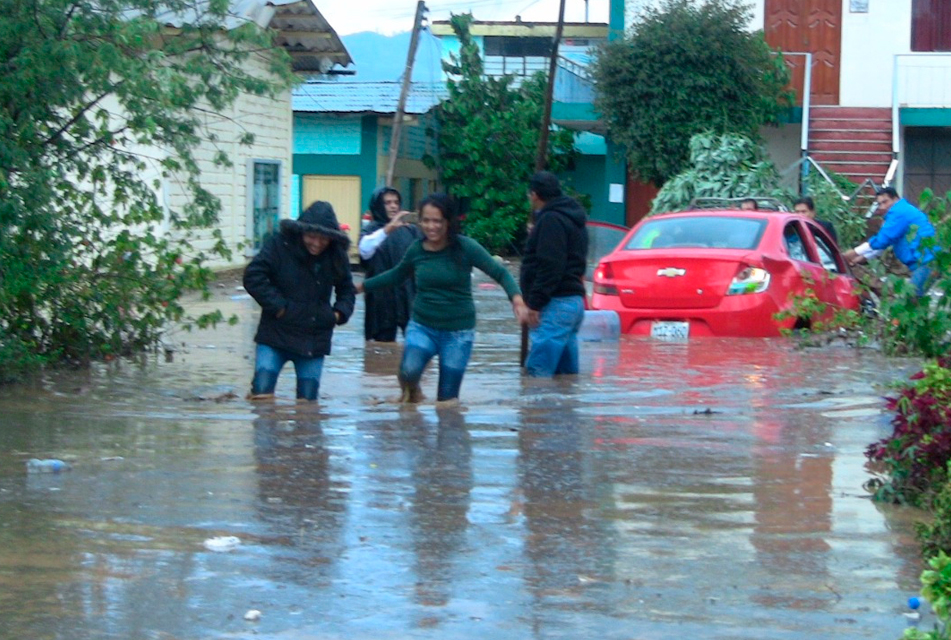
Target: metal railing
x=807, y=163
x=806, y=97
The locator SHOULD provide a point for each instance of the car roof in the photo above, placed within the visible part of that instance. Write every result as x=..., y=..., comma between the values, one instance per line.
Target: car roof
x=765, y=203
x=720, y=213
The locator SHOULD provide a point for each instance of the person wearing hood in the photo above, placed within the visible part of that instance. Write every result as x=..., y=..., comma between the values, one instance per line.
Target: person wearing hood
x=382, y=245
x=553, y=266
x=293, y=278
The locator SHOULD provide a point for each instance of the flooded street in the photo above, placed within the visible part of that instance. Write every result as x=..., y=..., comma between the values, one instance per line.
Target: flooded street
x=701, y=490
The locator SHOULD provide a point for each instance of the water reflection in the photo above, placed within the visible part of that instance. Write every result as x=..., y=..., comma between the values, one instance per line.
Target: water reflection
x=300, y=495
x=671, y=490
x=566, y=543
x=792, y=487
x=442, y=482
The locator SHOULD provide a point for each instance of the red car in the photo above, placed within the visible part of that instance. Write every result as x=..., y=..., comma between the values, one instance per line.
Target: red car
x=720, y=273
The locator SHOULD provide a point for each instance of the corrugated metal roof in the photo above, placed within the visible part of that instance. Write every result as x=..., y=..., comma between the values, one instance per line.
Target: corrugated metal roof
x=302, y=30
x=240, y=12
x=366, y=97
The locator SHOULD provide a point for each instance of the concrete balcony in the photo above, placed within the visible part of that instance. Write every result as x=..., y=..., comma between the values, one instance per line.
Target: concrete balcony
x=923, y=80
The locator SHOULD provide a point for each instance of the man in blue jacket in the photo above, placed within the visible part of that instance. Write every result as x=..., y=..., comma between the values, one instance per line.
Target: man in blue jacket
x=903, y=229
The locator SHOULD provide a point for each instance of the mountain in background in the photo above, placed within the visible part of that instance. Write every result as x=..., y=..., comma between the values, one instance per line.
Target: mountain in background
x=378, y=57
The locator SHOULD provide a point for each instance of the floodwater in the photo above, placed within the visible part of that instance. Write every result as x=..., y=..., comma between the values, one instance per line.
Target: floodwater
x=711, y=489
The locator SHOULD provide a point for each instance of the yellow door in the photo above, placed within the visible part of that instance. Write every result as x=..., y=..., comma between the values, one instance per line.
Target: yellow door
x=343, y=192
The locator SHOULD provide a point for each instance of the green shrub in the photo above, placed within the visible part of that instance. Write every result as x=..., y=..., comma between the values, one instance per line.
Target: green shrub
x=684, y=68
x=936, y=588
x=721, y=166
x=17, y=359
x=488, y=138
x=99, y=103
x=916, y=455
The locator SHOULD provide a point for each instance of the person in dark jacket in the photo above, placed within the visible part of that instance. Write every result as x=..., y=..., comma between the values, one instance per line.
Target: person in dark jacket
x=292, y=278
x=551, y=277
x=806, y=206
x=382, y=245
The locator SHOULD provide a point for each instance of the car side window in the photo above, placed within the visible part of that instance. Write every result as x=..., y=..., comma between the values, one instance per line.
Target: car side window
x=794, y=244
x=826, y=254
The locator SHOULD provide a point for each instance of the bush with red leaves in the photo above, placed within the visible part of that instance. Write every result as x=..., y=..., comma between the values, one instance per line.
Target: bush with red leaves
x=915, y=457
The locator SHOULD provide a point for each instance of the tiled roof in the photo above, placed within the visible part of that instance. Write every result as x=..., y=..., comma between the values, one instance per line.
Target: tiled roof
x=302, y=30
x=366, y=97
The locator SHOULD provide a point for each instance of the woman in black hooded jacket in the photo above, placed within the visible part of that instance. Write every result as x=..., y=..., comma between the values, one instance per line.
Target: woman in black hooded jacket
x=382, y=245
x=292, y=278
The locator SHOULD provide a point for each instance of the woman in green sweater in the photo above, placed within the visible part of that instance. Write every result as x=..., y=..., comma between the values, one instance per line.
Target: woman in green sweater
x=444, y=317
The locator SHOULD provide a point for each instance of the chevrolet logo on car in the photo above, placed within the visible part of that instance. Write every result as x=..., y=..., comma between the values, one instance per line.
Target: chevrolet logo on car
x=671, y=272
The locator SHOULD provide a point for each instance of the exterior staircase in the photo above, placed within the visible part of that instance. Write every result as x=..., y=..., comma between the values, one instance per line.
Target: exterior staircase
x=855, y=142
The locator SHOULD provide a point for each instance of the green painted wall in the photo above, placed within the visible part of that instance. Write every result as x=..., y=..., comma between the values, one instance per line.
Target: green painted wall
x=587, y=177
x=916, y=117
x=362, y=164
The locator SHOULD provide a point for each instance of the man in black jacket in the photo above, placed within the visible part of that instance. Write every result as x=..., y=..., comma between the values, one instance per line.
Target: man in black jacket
x=806, y=206
x=293, y=278
x=551, y=278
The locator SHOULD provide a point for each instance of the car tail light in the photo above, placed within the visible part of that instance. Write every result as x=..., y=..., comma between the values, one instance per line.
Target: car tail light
x=749, y=280
x=602, y=274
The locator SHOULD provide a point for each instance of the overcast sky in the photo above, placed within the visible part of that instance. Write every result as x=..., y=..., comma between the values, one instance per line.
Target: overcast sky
x=394, y=16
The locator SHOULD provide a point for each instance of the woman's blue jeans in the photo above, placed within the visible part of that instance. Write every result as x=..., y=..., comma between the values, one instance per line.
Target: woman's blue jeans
x=554, y=342
x=453, y=349
x=268, y=362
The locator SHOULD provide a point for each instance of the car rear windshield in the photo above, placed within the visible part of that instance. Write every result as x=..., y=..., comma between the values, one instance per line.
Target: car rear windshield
x=719, y=232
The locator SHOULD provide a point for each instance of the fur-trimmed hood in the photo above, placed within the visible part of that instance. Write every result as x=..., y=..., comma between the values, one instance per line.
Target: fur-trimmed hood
x=317, y=218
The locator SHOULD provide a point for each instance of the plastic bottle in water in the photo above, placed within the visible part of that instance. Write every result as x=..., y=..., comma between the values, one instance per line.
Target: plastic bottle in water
x=35, y=465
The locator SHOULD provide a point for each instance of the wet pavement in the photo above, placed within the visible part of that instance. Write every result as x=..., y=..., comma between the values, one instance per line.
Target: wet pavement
x=701, y=490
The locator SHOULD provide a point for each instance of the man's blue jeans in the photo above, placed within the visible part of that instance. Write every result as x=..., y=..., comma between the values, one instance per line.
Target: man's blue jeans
x=268, y=362
x=921, y=278
x=554, y=342
x=453, y=348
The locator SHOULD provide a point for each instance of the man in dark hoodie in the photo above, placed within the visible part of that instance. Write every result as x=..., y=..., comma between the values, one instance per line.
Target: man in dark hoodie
x=382, y=245
x=551, y=278
x=292, y=278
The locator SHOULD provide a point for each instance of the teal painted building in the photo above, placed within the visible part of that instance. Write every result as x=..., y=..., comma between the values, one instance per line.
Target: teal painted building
x=342, y=135
x=524, y=48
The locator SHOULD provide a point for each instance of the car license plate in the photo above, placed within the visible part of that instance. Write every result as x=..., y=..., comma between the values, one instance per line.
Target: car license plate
x=670, y=330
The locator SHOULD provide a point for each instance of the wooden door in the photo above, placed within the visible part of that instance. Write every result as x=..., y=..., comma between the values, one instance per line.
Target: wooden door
x=343, y=192
x=809, y=26
x=930, y=25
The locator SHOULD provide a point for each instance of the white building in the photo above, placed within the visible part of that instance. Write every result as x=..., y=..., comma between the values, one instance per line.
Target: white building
x=879, y=86
x=255, y=191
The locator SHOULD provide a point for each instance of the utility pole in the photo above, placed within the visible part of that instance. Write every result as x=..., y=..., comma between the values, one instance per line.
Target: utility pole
x=546, y=115
x=542, y=155
x=407, y=80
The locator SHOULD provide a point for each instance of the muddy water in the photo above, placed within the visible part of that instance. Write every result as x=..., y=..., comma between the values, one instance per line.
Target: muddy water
x=708, y=490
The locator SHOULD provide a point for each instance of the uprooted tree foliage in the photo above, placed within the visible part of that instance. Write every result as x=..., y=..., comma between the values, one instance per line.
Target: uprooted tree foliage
x=487, y=139
x=686, y=68
x=94, y=98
